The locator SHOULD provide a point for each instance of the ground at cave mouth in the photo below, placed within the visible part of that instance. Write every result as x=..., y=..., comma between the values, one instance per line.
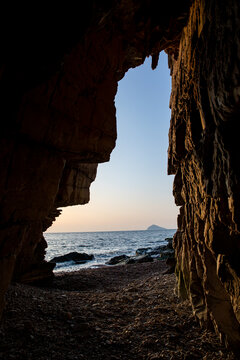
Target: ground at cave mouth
x=122, y=312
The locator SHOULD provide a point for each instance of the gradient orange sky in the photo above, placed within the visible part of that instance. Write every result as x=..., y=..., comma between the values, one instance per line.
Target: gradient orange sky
x=132, y=191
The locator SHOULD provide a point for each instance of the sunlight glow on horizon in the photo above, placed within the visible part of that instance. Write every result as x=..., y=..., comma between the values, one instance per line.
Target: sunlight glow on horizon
x=132, y=191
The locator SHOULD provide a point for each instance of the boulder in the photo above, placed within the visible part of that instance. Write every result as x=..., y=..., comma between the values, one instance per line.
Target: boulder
x=117, y=259
x=166, y=254
x=143, y=258
x=143, y=251
x=38, y=274
x=171, y=263
x=124, y=259
x=170, y=241
x=162, y=251
x=78, y=258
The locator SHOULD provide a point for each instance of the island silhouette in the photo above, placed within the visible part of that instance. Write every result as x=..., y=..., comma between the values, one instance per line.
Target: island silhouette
x=155, y=227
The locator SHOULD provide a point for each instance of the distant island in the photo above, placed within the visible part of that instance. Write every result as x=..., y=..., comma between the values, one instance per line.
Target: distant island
x=155, y=227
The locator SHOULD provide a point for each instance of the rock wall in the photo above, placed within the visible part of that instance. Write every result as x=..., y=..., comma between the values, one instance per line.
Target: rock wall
x=204, y=155
x=58, y=78
x=57, y=105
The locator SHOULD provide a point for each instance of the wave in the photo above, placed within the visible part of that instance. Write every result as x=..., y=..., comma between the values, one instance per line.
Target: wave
x=103, y=245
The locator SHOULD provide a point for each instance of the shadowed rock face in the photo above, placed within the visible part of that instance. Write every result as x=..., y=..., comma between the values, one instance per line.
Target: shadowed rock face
x=58, y=83
x=58, y=108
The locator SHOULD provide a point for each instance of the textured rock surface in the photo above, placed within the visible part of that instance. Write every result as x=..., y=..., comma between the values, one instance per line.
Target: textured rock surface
x=204, y=155
x=57, y=105
x=72, y=256
x=57, y=102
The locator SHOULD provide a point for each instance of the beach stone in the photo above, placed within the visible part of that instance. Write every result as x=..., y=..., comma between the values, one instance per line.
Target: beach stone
x=117, y=259
x=166, y=254
x=171, y=263
x=143, y=259
x=170, y=242
x=131, y=260
x=126, y=260
x=162, y=251
x=137, y=259
x=143, y=251
x=78, y=258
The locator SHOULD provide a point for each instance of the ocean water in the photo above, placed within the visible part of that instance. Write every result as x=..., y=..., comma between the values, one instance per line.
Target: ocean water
x=103, y=245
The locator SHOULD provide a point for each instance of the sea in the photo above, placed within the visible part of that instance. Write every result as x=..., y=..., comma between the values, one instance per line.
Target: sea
x=103, y=245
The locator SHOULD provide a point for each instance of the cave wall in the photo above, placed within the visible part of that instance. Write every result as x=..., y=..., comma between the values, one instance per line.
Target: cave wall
x=204, y=155
x=57, y=105
x=58, y=79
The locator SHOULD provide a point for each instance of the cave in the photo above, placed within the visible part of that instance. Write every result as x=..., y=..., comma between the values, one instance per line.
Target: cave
x=58, y=122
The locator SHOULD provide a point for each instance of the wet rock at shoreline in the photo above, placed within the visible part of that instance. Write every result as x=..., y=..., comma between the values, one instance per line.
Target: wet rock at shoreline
x=78, y=258
x=162, y=252
x=142, y=259
x=117, y=259
x=125, y=260
x=169, y=242
x=142, y=251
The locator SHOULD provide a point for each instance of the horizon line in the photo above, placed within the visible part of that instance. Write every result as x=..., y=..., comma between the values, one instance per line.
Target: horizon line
x=70, y=232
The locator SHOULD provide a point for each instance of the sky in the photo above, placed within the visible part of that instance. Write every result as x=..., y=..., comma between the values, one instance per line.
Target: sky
x=133, y=190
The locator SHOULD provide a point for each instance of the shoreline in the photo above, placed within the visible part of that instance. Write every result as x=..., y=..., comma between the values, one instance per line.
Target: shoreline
x=113, y=312
x=161, y=249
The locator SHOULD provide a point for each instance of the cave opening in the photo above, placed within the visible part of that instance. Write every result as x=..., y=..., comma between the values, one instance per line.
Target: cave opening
x=49, y=159
x=133, y=190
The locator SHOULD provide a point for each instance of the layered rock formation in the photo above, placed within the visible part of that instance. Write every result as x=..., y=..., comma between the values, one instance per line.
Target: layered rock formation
x=203, y=153
x=58, y=108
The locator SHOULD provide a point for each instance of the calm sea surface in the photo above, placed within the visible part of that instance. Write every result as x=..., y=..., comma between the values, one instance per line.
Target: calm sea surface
x=103, y=245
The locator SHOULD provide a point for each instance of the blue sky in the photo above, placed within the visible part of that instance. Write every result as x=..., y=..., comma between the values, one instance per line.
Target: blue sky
x=133, y=190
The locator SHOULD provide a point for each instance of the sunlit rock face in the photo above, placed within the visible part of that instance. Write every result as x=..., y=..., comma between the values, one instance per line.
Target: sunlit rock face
x=57, y=106
x=204, y=155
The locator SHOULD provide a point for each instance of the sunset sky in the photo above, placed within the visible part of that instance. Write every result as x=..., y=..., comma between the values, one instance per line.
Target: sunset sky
x=133, y=190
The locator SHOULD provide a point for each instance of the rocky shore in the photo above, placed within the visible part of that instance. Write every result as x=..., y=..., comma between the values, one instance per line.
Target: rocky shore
x=119, y=312
x=144, y=255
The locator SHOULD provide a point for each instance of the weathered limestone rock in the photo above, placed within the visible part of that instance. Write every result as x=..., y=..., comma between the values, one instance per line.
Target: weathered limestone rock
x=203, y=153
